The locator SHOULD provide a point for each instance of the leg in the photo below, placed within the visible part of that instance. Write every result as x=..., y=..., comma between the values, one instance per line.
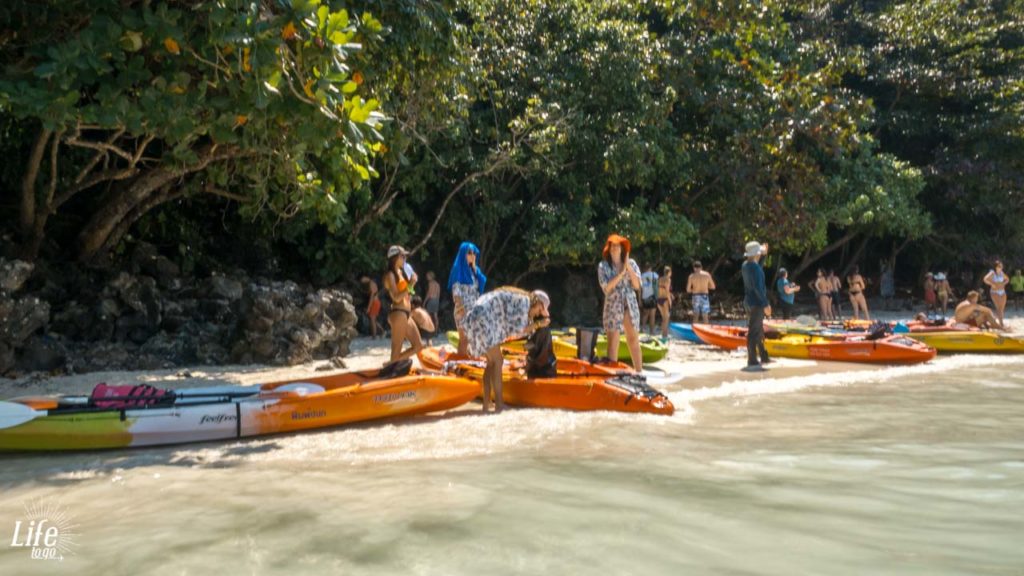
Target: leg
x=496, y=376
x=488, y=373
x=864, y=306
x=463, y=346
x=752, y=352
x=613, y=345
x=632, y=342
x=373, y=326
x=412, y=334
x=663, y=308
x=1000, y=301
x=397, y=321
x=853, y=304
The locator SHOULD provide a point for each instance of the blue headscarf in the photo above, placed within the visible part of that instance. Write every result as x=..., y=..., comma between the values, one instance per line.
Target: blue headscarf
x=461, y=272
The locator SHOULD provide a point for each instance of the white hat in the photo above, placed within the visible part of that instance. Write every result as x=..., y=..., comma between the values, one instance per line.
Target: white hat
x=542, y=297
x=940, y=276
x=753, y=249
x=396, y=250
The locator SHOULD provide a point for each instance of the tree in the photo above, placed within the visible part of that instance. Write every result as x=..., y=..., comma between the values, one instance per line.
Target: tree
x=139, y=103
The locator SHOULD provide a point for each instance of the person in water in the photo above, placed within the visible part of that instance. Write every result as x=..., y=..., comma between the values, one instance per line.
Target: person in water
x=496, y=317
x=997, y=281
x=973, y=314
x=466, y=282
x=855, y=285
x=664, y=300
x=787, y=293
x=619, y=277
x=372, y=305
x=699, y=285
x=755, y=298
x=400, y=315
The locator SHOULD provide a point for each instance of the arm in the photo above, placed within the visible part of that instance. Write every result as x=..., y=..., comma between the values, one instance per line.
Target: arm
x=634, y=273
x=711, y=282
x=988, y=278
x=609, y=284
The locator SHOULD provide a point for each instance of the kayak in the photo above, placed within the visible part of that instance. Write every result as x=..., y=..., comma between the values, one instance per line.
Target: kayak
x=564, y=344
x=651, y=349
x=227, y=412
x=579, y=385
x=685, y=332
x=970, y=341
x=893, y=349
x=562, y=348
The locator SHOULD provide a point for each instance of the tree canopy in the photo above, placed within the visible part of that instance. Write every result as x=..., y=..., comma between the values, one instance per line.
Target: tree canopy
x=327, y=130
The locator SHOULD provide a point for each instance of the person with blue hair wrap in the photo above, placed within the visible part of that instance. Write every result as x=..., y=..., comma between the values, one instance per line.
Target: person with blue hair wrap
x=466, y=283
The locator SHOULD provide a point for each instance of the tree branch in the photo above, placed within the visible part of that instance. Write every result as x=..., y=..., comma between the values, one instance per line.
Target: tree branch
x=75, y=141
x=100, y=154
x=28, y=183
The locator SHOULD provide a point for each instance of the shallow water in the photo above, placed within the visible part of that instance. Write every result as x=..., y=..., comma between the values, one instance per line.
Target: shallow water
x=914, y=470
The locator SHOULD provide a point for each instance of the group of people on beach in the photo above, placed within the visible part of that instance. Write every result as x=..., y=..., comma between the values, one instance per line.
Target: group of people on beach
x=487, y=319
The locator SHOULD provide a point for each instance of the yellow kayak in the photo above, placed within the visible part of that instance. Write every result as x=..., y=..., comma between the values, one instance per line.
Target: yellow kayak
x=562, y=348
x=970, y=341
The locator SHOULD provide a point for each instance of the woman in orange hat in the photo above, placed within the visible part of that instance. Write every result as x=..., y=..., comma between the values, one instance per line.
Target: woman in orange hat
x=619, y=276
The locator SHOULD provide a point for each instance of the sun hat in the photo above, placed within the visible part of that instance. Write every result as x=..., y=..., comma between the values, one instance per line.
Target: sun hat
x=782, y=270
x=752, y=249
x=940, y=276
x=542, y=297
x=616, y=239
x=396, y=250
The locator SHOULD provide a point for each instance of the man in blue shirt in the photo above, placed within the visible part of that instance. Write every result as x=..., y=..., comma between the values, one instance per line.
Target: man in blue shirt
x=755, y=298
x=787, y=293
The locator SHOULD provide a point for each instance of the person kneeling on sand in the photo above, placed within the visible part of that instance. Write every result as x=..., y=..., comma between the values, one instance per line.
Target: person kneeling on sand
x=974, y=314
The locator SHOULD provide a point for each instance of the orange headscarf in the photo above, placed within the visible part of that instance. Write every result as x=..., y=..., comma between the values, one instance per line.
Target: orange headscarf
x=616, y=239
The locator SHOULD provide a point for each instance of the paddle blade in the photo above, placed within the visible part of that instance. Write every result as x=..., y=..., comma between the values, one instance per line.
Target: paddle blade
x=13, y=414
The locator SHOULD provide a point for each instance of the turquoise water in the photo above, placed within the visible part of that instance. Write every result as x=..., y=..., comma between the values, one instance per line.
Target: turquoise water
x=894, y=471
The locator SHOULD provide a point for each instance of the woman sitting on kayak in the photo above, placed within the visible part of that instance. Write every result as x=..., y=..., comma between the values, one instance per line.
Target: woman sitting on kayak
x=496, y=317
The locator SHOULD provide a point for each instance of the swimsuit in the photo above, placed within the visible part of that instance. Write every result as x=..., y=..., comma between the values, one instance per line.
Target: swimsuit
x=999, y=279
x=701, y=304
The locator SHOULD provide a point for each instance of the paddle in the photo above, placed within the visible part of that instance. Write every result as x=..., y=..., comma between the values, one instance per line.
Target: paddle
x=13, y=414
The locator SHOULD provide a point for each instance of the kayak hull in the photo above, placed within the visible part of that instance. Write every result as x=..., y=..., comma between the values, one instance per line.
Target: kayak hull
x=970, y=341
x=685, y=332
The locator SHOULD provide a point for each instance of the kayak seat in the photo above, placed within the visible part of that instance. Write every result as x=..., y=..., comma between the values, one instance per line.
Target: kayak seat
x=395, y=369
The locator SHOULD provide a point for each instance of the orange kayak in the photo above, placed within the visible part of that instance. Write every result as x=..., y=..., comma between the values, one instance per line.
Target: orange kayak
x=893, y=349
x=579, y=385
x=230, y=412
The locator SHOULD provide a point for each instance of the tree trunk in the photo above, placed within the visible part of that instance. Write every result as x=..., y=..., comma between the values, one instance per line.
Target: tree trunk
x=27, y=215
x=812, y=258
x=125, y=200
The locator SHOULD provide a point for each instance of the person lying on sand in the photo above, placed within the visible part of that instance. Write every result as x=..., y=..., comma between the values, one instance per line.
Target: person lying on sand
x=973, y=314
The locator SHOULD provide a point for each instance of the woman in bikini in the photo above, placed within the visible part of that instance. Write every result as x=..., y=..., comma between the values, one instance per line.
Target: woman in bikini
x=665, y=299
x=929, y=293
x=943, y=291
x=855, y=284
x=400, y=315
x=997, y=281
x=822, y=287
x=835, y=287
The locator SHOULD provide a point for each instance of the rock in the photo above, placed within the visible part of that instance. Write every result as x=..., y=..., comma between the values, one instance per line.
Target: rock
x=226, y=288
x=20, y=318
x=42, y=354
x=13, y=275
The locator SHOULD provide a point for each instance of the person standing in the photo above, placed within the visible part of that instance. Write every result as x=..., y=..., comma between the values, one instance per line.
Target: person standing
x=822, y=287
x=400, y=314
x=855, y=285
x=1017, y=286
x=787, y=293
x=372, y=305
x=755, y=298
x=433, y=299
x=648, y=298
x=835, y=286
x=887, y=285
x=494, y=318
x=619, y=277
x=699, y=285
x=929, y=293
x=466, y=283
x=997, y=281
x=943, y=291
x=665, y=299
